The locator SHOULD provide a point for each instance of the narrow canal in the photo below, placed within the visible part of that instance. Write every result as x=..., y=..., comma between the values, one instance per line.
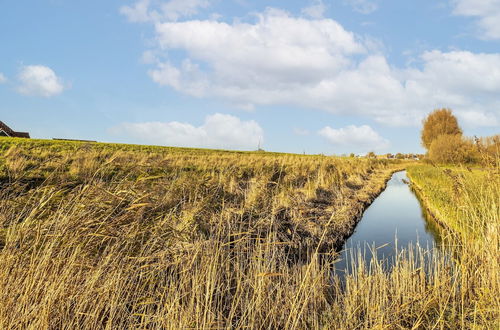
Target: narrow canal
x=395, y=217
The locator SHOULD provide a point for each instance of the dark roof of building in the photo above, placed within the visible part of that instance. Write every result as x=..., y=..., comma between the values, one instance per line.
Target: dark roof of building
x=10, y=132
x=25, y=135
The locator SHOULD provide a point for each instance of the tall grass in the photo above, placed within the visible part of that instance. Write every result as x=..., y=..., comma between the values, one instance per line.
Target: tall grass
x=467, y=203
x=98, y=236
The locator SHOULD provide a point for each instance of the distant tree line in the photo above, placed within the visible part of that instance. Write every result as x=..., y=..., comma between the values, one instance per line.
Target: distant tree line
x=399, y=155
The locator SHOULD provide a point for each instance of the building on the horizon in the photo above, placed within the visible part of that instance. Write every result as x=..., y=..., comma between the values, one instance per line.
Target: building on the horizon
x=9, y=132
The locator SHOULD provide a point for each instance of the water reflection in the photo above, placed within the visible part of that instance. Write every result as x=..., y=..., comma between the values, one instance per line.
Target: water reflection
x=431, y=226
x=395, y=220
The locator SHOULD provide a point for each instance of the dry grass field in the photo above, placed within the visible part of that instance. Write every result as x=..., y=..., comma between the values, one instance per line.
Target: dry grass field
x=102, y=236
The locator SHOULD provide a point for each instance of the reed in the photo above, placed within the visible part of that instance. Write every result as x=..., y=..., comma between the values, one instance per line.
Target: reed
x=112, y=236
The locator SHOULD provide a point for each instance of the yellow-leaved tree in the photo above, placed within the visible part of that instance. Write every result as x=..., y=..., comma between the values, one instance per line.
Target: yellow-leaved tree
x=439, y=122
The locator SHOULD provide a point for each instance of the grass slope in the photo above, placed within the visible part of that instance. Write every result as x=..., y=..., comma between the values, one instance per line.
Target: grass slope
x=98, y=235
x=113, y=236
x=466, y=203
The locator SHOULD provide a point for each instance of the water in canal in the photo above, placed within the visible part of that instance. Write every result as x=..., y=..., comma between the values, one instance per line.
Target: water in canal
x=395, y=215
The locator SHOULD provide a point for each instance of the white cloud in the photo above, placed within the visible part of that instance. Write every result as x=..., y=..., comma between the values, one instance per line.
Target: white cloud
x=316, y=10
x=139, y=12
x=3, y=79
x=188, y=78
x=487, y=13
x=477, y=118
x=467, y=82
x=39, y=80
x=316, y=64
x=362, y=6
x=175, y=9
x=358, y=138
x=156, y=10
x=218, y=131
x=265, y=61
x=276, y=44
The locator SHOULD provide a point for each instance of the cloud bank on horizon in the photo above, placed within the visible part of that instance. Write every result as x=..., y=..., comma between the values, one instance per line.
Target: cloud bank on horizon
x=219, y=131
x=360, y=138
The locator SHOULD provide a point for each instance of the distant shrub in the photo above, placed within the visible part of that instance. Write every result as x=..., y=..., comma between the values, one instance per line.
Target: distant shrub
x=452, y=149
x=488, y=149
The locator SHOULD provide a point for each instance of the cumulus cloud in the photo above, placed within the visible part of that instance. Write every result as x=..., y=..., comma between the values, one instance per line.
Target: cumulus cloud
x=316, y=10
x=358, y=138
x=219, y=131
x=362, y=6
x=156, y=10
x=467, y=82
x=280, y=59
x=39, y=80
x=138, y=12
x=477, y=118
x=175, y=9
x=249, y=62
x=487, y=13
x=3, y=79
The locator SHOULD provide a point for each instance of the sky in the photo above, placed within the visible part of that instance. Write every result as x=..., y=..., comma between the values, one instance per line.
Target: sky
x=311, y=76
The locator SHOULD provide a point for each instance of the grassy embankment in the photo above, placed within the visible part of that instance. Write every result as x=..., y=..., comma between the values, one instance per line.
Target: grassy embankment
x=466, y=203
x=96, y=235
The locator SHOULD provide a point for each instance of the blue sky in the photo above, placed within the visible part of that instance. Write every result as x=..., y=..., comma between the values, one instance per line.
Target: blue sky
x=297, y=76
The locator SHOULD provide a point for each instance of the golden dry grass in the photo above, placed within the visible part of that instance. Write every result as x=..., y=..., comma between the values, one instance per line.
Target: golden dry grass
x=106, y=236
